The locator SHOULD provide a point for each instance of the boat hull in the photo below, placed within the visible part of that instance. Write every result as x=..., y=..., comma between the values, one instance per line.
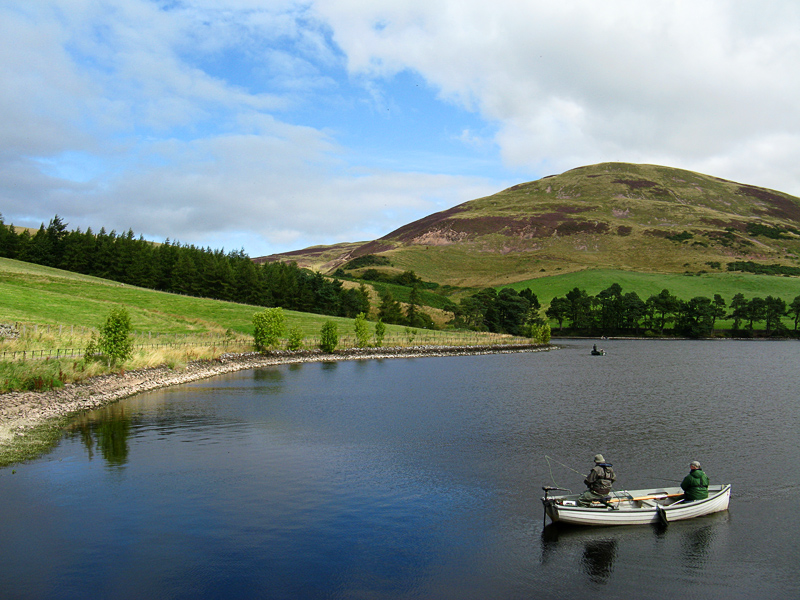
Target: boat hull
x=637, y=507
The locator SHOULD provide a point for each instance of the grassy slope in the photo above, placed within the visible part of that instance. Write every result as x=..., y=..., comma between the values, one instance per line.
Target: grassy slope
x=676, y=201
x=606, y=216
x=35, y=294
x=647, y=284
x=684, y=287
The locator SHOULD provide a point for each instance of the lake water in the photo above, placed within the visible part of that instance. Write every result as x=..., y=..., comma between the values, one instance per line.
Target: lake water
x=418, y=478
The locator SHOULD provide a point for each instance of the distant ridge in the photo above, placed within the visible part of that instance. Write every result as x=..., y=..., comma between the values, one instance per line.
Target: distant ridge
x=644, y=218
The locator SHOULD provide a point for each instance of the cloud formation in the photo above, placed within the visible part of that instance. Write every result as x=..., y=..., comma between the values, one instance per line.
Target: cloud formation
x=576, y=82
x=273, y=126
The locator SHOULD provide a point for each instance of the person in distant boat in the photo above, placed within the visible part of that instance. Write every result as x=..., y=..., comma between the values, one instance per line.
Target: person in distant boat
x=594, y=348
x=695, y=484
x=599, y=481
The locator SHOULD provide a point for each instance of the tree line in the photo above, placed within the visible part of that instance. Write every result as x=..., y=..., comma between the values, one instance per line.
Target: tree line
x=613, y=312
x=506, y=311
x=180, y=268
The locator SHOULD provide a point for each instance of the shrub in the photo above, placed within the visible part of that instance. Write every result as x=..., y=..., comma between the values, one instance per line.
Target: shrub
x=329, y=337
x=362, y=330
x=380, y=333
x=115, y=340
x=269, y=325
x=539, y=333
x=295, y=341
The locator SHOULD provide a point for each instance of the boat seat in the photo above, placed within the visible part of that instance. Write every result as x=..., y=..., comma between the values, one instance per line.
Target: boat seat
x=649, y=503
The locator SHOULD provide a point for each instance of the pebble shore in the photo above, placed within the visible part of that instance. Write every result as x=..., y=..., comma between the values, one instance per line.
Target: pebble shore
x=23, y=411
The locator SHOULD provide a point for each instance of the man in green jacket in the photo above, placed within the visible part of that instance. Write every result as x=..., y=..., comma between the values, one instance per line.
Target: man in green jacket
x=695, y=484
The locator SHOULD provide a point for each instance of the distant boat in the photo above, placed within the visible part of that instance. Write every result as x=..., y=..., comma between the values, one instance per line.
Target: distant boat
x=635, y=507
x=596, y=352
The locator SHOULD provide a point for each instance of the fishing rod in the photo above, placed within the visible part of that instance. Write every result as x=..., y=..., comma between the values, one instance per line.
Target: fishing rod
x=549, y=458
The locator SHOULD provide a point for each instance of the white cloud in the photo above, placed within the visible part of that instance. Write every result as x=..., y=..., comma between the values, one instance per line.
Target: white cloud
x=577, y=82
x=197, y=119
x=110, y=120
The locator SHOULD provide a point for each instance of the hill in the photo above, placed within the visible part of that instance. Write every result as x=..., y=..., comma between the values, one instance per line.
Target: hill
x=618, y=216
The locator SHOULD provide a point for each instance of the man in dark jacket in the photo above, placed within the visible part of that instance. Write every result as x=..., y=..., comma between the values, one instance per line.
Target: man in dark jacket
x=695, y=484
x=599, y=482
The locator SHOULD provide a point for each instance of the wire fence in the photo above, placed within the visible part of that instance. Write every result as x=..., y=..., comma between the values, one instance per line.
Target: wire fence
x=411, y=337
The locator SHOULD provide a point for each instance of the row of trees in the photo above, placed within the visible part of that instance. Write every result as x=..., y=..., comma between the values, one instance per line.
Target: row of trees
x=612, y=311
x=183, y=269
x=506, y=311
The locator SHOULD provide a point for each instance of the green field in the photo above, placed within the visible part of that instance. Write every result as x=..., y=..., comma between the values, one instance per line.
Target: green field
x=684, y=287
x=42, y=296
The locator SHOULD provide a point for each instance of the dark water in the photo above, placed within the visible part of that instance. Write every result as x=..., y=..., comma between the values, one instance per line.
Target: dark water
x=418, y=478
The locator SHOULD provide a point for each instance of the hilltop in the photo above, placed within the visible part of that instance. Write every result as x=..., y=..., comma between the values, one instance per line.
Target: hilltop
x=619, y=216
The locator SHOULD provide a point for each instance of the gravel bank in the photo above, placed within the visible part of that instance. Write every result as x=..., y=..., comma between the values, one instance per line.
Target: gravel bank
x=24, y=411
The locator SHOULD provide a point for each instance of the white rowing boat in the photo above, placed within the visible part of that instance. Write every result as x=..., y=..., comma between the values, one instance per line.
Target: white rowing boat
x=635, y=507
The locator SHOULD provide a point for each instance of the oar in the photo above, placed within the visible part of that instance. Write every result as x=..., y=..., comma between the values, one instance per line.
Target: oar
x=653, y=497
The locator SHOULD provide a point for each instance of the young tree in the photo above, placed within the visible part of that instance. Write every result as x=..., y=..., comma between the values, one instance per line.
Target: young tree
x=115, y=340
x=329, y=337
x=539, y=332
x=295, y=338
x=269, y=325
x=362, y=330
x=380, y=333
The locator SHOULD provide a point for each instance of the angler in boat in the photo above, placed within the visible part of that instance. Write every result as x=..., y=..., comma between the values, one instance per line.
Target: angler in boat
x=599, y=481
x=600, y=505
x=695, y=484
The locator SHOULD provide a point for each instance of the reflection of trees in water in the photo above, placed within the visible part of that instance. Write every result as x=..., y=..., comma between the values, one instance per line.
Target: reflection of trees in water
x=598, y=559
x=273, y=375
x=107, y=431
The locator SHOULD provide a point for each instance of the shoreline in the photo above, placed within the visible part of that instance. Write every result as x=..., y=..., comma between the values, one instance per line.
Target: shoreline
x=30, y=422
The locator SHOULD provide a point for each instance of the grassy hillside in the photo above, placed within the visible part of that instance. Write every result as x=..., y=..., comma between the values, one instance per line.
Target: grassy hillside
x=44, y=296
x=625, y=217
x=36, y=294
x=647, y=284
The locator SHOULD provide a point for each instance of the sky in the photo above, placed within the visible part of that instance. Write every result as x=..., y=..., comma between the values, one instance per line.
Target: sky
x=275, y=125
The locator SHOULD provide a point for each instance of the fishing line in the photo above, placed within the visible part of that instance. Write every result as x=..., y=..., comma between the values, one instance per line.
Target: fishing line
x=550, y=466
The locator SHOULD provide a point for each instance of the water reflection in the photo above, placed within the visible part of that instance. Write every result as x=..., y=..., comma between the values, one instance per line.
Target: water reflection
x=269, y=375
x=596, y=550
x=107, y=430
x=599, y=549
x=598, y=559
x=696, y=546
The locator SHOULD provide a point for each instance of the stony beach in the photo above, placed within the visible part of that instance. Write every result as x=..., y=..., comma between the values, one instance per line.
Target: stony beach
x=24, y=412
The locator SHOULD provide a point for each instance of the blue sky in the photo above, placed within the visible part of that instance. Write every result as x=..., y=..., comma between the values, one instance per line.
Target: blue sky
x=276, y=125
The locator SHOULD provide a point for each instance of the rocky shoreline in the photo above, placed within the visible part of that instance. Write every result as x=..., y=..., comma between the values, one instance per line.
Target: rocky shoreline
x=21, y=412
